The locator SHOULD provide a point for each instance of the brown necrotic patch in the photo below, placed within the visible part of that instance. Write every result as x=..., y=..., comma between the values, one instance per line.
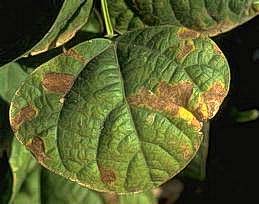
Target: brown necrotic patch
x=178, y=94
x=146, y=98
x=185, y=49
x=186, y=151
x=36, y=146
x=58, y=82
x=167, y=98
x=107, y=175
x=26, y=114
x=212, y=99
x=185, y=33
x=74, y=54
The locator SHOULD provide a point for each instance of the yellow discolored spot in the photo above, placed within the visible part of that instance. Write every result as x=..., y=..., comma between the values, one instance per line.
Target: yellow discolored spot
x=36, y=146
x=58, y=82
x=74, y=54
x=107, y=175
x=189, y=117
x=26, y=114
x=185, y=49
x=185, y=33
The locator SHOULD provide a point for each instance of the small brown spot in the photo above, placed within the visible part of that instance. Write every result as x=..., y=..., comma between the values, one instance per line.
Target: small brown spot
x=26, y=114
x=58, y=82
x=107, y=175
x=36, y=146
x=185, y=33
x=74, y=54
x=185, y=49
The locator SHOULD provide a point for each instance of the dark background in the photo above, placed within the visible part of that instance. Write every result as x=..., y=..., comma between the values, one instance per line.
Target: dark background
x=233, y=153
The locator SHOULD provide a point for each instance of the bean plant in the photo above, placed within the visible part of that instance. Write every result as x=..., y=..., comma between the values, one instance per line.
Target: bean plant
x=105, y=101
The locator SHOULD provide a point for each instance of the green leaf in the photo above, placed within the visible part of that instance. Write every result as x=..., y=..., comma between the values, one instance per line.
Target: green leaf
x=94, y=24
x=49, y=24
x=58, y=190
x=11, y=76
x=197, y=167
x=21, y=163
x=72, y=16
x=123, y=125
x=30, y=189
x=207, y=16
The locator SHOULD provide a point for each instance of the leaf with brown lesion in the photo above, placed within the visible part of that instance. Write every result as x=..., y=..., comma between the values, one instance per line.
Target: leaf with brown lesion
x=211, y=101
x=185, y=33
x=37, y=147
x=170, y=99
x=186, y=48
x=107, y=175
x=58, y=82
x=26, y=114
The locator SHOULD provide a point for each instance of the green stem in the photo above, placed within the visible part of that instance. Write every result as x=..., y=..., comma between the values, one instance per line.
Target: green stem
x=107, y=20
x=245, y=116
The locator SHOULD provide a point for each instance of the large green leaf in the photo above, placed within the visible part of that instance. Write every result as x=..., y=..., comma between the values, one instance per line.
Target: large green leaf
x=126, y=124
x=207, y=16
x=42, y=25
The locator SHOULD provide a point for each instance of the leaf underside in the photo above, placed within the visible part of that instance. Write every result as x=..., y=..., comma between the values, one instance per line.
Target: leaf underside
x=210, y=17
x=122, y=117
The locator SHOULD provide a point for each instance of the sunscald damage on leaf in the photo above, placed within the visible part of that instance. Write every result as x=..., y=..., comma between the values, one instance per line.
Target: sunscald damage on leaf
x=127, y=119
